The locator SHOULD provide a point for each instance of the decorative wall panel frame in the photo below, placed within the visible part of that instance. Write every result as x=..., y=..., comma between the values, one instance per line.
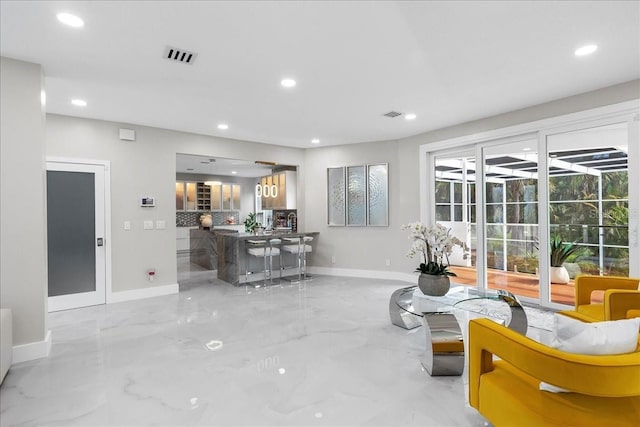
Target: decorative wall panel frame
x=358, y=196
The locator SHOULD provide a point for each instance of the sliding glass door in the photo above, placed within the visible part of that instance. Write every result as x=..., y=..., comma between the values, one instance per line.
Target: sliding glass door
x=588, y=205
x=540, y=208
x=455, y=208
x=510, y=171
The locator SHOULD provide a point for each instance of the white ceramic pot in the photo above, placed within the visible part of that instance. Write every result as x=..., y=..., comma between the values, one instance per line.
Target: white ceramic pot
x=558, y=275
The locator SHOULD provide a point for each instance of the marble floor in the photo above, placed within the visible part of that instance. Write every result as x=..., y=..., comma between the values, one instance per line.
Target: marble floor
x=321, y=353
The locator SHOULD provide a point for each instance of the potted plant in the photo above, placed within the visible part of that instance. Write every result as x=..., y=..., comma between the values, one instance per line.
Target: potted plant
x=559, y=252
x=250, y=224
x=436, y=244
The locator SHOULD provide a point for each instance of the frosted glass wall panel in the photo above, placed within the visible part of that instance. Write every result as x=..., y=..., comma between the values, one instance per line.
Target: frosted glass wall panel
x=356, y=194
x=336, y=196
x=378, y=195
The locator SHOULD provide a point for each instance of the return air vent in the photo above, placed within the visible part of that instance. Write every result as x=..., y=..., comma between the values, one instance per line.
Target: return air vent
x=392, y=114
x=179, y=55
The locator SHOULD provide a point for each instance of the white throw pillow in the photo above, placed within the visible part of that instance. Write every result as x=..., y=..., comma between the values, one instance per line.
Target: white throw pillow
x=597, y=338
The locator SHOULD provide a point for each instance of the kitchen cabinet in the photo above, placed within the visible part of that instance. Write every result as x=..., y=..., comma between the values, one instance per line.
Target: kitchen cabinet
x=186, y=196
x=197, y=196
x=284, y=197
x=203, y=196
x=225, y=197
x=191, y=196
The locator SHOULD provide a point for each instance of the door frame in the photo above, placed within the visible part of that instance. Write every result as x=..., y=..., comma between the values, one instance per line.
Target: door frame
x=106, y=164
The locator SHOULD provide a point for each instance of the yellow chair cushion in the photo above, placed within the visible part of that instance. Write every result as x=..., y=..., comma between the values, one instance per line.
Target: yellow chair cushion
x=517, y=401
x=595, y=311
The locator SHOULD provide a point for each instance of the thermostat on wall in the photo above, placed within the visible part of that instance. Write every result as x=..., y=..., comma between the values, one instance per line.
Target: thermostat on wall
x=147, y=202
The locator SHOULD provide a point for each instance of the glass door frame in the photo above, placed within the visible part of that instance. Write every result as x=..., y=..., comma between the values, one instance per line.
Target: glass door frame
x=618, y=113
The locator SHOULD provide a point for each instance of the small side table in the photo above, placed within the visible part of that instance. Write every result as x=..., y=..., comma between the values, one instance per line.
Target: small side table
x=444, y=352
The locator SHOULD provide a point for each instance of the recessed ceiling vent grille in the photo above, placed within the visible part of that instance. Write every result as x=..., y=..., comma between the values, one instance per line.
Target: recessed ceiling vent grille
x=179, y=55
x=392, y=114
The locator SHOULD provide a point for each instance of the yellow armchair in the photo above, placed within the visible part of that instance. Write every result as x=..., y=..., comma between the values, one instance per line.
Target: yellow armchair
x=621, y=298
x=506, y=391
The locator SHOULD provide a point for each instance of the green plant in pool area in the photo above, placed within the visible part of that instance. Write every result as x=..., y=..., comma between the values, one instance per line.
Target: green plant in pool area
x=560, y=251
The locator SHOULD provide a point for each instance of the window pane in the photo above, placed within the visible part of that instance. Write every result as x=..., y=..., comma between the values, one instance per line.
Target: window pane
x=522, y=213
x=494, y=193
x=442, y=192
x=443, y=213
x=457, y=212
x=494, y=214
x=457, y=192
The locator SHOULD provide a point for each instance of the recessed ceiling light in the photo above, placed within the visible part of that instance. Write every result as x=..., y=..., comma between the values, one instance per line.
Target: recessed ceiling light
x=223, y=126
x=586, y=50
x=410, y=116
x=315, y=141
x=288, y=82
x=526, y=149
x=79, y=102
x=234, y=172
x=70, y=20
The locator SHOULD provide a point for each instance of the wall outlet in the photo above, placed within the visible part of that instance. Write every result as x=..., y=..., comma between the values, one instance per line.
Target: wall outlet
x=161, y=224
x=333, y=259
x=387, y=262
x=147, y=225
x=127, y=225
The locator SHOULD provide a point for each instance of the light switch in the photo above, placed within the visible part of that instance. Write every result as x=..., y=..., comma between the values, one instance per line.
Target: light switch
x=127, y=225
x=160, y=224
x=148, y=225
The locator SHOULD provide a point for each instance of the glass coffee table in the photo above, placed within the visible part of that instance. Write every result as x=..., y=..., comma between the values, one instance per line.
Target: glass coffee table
x=443, y=317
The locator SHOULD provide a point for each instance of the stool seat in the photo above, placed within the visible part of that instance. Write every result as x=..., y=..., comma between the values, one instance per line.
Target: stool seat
x=294, y=249
x=298, y=247
x=264, y=251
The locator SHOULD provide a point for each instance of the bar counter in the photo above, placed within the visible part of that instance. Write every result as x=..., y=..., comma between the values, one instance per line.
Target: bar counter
x=232, y=254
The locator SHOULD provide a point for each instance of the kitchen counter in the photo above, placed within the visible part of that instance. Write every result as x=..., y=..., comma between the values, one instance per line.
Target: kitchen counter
x=232, y=254
x=203, y=246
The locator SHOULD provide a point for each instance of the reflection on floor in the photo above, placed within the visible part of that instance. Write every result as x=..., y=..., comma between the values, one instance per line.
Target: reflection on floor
x=321, y=354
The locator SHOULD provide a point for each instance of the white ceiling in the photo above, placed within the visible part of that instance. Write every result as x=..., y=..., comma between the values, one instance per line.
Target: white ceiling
x=204, y=165
x=447, y=62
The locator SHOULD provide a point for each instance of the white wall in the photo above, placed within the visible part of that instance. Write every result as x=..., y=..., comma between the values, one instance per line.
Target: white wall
x=367, y=248
x=23, y=242
x=146, y=166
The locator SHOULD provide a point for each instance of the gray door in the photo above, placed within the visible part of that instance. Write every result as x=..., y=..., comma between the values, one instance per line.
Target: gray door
x=75, y=235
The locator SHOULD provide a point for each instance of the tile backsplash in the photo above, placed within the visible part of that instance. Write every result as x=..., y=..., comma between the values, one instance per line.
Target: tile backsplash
x=191, y=219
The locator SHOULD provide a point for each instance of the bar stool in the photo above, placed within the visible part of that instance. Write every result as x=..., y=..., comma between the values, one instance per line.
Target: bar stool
x=263, y=248
x=299, y=247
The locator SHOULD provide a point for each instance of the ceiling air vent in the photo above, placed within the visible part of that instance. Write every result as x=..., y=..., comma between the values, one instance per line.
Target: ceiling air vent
x=179, y=55
x=392, y=114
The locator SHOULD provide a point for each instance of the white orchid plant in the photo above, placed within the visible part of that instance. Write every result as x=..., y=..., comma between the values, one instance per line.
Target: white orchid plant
x=436, y=243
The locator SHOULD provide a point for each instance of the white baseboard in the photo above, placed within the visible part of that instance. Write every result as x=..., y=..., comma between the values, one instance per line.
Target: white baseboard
x=32, y=351
x=367, y=274
x=135, y=294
